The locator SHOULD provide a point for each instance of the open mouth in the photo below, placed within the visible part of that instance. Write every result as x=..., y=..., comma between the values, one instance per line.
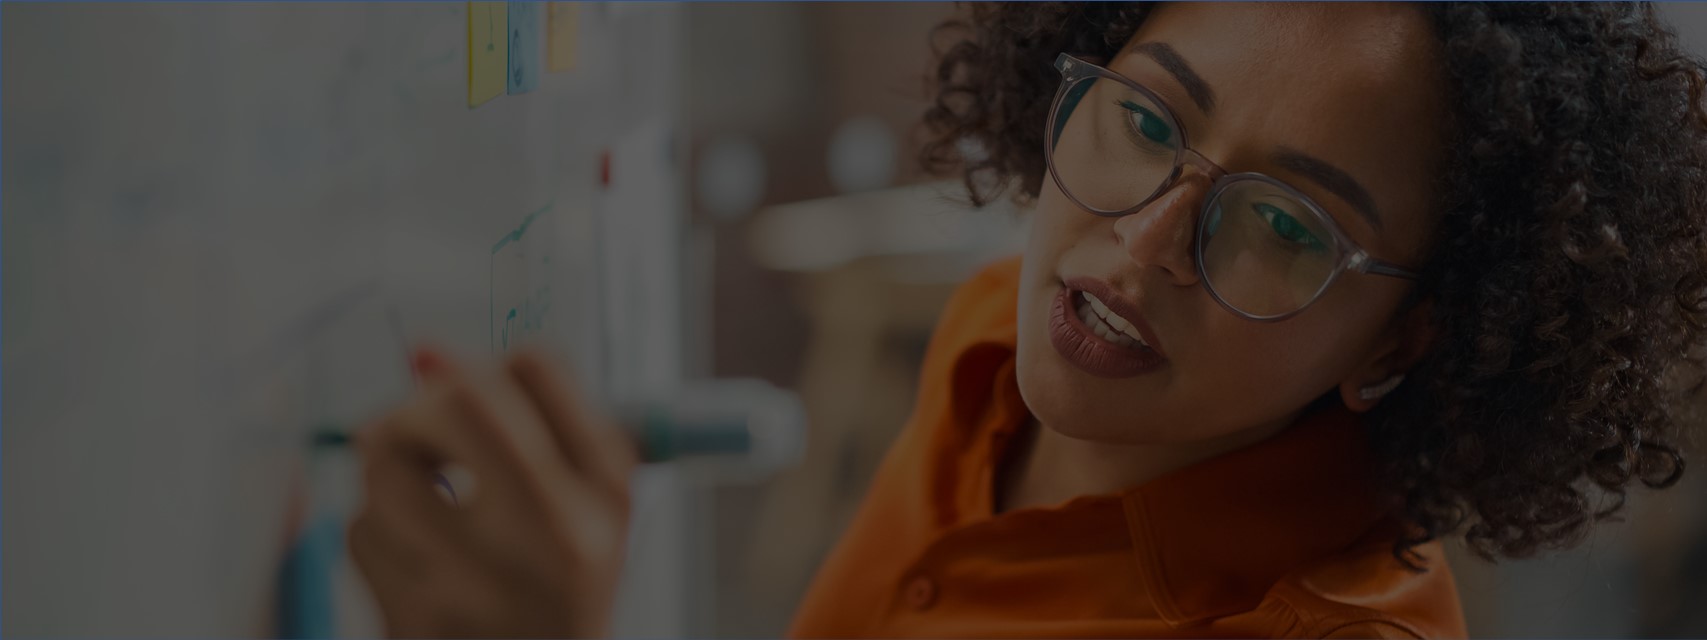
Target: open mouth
x=1096, y=339
x=1107, y=324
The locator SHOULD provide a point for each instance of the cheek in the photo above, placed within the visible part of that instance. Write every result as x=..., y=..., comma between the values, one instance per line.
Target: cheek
x=1061, y=239
x=1280, y=367
x=1271, y=368
x=1055, y=225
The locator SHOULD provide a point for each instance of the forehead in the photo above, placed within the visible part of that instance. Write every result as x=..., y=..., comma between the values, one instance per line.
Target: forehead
x=1356, y=85
x=1369, y=39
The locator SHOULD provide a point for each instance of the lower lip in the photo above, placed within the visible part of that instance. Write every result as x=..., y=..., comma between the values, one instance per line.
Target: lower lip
x=1090, y=352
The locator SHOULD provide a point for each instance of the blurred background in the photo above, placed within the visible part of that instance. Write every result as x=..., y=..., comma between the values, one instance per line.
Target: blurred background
x=221, y=222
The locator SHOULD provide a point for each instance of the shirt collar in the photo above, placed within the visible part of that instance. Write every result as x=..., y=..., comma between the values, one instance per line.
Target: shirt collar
x=1213, y=538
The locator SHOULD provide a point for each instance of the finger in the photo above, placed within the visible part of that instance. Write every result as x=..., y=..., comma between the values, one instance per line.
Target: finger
x=405, y=541
x=526, y=488
x=418, y=581
x=406, y=528
x=591, y=443
x=481, y=421
x=401, y=478
x=391, y=572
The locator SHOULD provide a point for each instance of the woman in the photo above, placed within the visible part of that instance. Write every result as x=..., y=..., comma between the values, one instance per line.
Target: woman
x=1308, y=289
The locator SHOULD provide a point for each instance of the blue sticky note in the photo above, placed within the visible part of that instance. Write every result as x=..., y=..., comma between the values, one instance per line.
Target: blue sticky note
x=524, y=30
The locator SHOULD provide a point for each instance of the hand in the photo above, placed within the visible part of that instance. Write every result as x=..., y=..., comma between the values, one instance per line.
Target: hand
x=536, y=548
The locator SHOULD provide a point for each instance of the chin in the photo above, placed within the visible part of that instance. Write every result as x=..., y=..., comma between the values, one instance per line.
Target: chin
x=1067, y=405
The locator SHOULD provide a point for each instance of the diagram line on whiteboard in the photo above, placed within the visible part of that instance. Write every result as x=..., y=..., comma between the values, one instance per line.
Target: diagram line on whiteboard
x=516, y=234
x=513, y=236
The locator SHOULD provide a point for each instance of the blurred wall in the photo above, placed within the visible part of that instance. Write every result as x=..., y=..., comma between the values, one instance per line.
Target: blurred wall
x=784, y=78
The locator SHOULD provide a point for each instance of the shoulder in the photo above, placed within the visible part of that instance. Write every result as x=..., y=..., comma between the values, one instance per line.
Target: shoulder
x=1373, y=629
x=1366, y=593
x=986, y=300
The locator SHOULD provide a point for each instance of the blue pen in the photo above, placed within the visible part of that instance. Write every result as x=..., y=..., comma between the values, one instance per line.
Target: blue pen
x=306, y=591
x=747, y=420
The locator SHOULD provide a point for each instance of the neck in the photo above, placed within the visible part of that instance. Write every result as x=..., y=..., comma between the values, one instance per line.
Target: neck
x=1047, y=468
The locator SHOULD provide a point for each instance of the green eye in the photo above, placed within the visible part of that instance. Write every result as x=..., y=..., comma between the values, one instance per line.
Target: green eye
x=1288, y=228
x=1153, y=127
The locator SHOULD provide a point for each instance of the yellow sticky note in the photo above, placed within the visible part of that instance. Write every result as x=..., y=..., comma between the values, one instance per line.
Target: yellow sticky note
x=561, y=22
x=488, y=50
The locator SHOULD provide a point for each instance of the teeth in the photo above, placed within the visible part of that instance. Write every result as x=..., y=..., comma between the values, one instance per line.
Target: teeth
x=1113, y=321
x=1090, y=317
x=1120, y=324
x=1102, y=309
x=1103, y=330
x=1102, y=325
x=1122, y=340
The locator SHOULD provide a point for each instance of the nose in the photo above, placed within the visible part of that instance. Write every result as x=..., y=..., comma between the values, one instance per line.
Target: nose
x=1161, y=234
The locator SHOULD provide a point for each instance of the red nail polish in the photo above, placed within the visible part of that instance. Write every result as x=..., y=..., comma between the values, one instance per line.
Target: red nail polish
x=426, y=361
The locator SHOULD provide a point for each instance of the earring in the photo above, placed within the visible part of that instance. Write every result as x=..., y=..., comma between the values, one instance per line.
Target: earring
x=1374, y=391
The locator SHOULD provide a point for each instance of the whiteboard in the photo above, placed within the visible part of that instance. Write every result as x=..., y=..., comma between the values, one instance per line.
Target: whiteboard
x=221, y=225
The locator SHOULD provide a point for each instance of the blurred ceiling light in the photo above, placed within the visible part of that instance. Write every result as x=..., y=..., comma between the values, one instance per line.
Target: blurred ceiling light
x=862, y=155
x=731, y=177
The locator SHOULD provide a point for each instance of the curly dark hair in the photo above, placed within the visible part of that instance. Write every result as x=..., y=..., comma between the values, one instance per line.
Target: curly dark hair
x=1566, y=273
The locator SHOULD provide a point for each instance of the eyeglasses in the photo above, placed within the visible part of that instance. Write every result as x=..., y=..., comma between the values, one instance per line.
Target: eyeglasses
x=1264, y=250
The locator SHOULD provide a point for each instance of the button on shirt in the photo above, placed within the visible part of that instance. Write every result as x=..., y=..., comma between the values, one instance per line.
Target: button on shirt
x=1281, y=539
x=921, y=593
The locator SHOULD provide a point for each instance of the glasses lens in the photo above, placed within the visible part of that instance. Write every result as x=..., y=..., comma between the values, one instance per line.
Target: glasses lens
x=1264, y=252
x=1113, y=146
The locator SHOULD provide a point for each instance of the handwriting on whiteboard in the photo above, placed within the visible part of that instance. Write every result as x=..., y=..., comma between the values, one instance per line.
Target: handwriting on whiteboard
x=520, y=300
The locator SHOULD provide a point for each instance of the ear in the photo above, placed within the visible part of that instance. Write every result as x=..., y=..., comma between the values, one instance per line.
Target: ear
x=1407, y=339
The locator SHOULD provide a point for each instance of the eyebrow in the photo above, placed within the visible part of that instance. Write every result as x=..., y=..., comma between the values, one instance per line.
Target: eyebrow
x=1165, y=55
x=1332, y=179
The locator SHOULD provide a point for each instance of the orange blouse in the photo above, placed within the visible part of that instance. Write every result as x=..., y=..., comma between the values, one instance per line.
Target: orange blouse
x=1281, y=539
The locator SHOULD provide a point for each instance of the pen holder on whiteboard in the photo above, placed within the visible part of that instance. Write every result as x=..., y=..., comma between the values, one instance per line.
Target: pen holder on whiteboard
x=746, y=420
